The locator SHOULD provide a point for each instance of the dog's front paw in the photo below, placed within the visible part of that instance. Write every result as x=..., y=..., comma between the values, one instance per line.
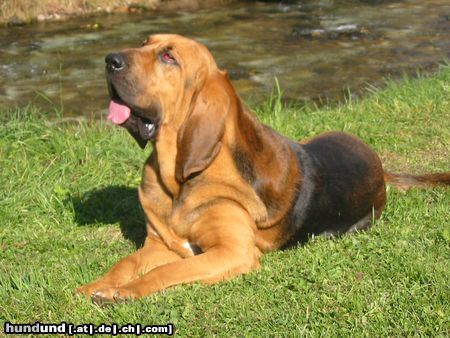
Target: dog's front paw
x=112, y=295
x=88, y=290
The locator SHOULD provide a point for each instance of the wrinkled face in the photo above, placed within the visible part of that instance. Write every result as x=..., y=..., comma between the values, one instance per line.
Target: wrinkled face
x=155, y=83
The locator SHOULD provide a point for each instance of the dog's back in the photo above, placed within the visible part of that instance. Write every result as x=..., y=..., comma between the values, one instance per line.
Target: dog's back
x=342, y=188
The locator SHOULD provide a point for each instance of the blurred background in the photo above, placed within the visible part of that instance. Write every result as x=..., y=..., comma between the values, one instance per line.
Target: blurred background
x=52, y=52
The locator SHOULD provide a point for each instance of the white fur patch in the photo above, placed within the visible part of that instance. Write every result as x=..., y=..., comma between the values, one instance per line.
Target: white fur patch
x=151, y=231
x=188, y=246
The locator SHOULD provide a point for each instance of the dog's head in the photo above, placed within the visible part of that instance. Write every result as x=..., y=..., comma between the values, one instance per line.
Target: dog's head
x=175, y=81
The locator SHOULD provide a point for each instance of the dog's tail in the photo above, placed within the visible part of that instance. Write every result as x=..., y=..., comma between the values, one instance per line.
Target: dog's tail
x=405, y=181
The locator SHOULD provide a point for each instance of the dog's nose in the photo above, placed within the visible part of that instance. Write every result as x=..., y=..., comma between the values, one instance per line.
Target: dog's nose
x=115, y=62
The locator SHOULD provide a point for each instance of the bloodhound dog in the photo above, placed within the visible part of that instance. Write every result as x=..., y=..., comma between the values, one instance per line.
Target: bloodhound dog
x=220, y=188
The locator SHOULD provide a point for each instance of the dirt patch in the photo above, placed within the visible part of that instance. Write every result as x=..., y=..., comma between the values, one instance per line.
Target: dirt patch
x=20, y=12
x=418, y=162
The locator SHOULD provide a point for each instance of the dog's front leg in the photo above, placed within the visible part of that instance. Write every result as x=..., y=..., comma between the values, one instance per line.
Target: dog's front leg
x=153, y=253
x=226, y=236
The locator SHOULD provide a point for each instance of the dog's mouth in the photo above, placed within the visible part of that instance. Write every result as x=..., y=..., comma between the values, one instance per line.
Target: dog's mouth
x=141, y=128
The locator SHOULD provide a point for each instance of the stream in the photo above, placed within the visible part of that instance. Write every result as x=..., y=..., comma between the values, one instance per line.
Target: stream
x=316, y=49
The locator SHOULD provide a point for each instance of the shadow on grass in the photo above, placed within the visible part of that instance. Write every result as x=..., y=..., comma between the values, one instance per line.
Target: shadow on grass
x=109, y=205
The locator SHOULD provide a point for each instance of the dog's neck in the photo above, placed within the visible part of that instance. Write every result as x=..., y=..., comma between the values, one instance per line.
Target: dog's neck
x=166, y=150
x=260, y=152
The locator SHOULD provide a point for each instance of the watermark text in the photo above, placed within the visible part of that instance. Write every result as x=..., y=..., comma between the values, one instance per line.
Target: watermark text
x=87, y=329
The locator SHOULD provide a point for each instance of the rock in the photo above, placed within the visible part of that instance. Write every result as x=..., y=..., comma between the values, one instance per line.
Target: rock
x=15, y=21
x=333, y=33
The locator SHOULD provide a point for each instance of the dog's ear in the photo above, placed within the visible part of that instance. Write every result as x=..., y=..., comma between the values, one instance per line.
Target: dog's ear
x=200, y=136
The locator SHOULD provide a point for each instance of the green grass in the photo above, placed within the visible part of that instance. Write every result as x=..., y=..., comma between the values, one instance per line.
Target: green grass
x=69, y=210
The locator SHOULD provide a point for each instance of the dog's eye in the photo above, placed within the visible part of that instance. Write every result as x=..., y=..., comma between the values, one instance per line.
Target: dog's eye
x=166, y=57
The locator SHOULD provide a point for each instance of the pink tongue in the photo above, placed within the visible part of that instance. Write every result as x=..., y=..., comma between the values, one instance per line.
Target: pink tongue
x=118, y=113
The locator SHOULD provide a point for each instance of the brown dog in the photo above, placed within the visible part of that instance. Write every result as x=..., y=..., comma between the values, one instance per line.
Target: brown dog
x=220, y=188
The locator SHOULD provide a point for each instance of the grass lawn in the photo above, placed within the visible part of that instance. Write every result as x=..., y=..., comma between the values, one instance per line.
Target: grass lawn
x=69, y=210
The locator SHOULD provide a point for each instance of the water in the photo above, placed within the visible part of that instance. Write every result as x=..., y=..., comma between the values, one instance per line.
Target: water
x=316, y=49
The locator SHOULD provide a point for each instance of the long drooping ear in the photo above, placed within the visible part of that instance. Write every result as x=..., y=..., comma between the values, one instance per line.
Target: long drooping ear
x=200, y=135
